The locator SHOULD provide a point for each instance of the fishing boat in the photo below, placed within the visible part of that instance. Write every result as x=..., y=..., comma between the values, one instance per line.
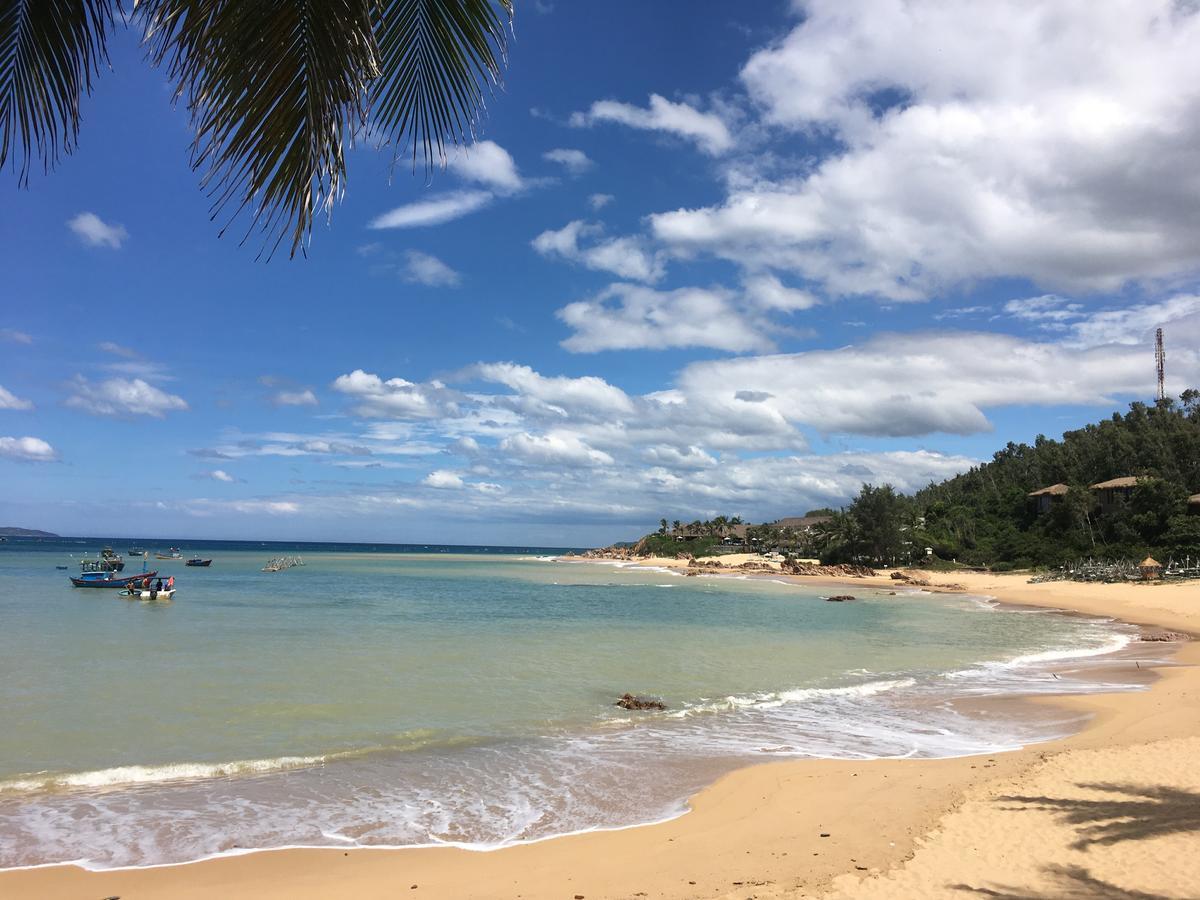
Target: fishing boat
x=197, y=561
x=141, y=594
x=109, y=561
x=137, y=551
x=173, y=554
x=107, y=579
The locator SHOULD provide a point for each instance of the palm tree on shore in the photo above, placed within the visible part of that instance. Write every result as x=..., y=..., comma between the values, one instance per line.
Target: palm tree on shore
x=276, y=90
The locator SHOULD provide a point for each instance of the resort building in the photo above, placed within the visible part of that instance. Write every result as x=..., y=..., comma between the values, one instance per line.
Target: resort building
x=1045, y=497
x=801, y=523
x=1115, y=490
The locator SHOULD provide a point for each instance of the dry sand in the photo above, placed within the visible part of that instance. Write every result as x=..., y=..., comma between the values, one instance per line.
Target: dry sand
x=1110, y=813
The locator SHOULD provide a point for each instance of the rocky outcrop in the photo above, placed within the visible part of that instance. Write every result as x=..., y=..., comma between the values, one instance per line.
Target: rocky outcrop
x=1163, y=636
x=840, y=570
x=839, y=598
x=633, y=701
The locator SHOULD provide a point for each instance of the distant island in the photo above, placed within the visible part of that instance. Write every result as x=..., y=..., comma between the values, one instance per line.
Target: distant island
x=26, y=532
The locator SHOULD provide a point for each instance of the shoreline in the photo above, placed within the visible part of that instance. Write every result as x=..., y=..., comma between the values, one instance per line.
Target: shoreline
x=740, y=830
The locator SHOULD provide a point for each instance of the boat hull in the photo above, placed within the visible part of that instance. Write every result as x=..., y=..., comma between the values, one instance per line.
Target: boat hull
x=110, y=582
x=159, y=596
x=203, y=563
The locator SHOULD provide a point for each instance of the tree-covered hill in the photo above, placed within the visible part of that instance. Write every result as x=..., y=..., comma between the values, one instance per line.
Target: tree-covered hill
x=985, y=516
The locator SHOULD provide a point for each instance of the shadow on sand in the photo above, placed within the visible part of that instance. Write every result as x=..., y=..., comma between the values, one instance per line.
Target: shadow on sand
x=1066, y=883
x=1133, y=813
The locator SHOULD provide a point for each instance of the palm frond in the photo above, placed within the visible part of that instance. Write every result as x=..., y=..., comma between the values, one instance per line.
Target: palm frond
x=49, y=50
x=278, y=89
x=274, y=88
x=436, y=57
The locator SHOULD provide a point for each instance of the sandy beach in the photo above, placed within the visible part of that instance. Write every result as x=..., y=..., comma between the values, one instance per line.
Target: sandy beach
x=1110, y=812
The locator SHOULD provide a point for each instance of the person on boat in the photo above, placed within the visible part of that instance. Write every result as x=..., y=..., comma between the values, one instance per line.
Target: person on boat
x=146, y=583
x=171, y=583
x=158, y=585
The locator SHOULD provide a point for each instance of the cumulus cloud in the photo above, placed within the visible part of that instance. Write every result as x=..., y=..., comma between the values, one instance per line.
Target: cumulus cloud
x=122, y=397
x=220, y=475
x=554, y=448
x=903, y=385
x=489, y=164
x=558, y=395
x=1068, y=157
x=629, y=317
x=443, y=478
x=27, y=449
x=423, y=268
x=574, y=161
x=707, y=130
x=434, y=210
x=9, y=400
x=599, y=201
x=626, y=257
x=95, y=232
x=395, y=397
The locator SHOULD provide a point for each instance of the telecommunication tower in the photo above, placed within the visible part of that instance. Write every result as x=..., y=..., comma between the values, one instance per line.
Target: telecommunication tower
x=1160, y=360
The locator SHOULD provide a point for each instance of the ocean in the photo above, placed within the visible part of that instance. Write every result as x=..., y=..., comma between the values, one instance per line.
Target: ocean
x=416, y=695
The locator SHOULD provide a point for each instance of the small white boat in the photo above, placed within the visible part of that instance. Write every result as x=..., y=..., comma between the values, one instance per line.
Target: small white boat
x=141, y=594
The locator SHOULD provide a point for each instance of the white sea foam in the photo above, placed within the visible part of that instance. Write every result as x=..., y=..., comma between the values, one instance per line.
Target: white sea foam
x=128, y=776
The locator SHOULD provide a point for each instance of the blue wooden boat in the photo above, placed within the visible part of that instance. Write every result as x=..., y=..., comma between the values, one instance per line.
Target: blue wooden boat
x=197, y=561
x=108, y=580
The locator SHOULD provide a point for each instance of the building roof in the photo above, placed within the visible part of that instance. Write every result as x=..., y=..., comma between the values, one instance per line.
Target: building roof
x=1149, y=563
x=1125, y=481
x=1194, y=500
x=801, y=521
x=1055, y=490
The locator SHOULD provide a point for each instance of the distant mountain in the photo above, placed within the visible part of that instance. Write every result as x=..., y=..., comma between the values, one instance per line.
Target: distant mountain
x=26, y=532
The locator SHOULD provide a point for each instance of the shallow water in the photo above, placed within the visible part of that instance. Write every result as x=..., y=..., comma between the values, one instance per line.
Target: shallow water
x=413, y=698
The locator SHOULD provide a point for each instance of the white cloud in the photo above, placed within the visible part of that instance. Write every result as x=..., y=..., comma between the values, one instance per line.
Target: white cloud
x=559, y=396
x=574, y=161
x=554, y=448
x=434, y=210
x=1178, y=316
x=1048, y=310
x=27, y=449
x=9, y=400
x=628, y=316
x=599, y=201
x=123, y=397
x=118, y=350
x=303, y=397
x=1054, y=142
x=914, y=384
x=95, y=232
x=626, y=257
x=423, y=268
x=707, y=130
x=768, y=292
x=487, y=163
x=221, y=475
x=12, y=336
x=395, y=397
x=443, y=478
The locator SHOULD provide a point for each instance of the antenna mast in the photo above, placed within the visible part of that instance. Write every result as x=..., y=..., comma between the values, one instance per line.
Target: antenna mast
x=1160, y=359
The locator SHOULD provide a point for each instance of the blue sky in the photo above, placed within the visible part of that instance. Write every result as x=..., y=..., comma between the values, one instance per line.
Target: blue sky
x=728, y=260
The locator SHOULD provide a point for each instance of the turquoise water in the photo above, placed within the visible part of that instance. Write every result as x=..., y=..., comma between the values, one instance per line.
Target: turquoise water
x=414, y=698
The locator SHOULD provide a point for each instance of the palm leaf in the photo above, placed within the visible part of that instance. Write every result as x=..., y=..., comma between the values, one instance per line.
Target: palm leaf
x=49, y=50
x=433, y=56
x=278, y=89
x=273, y=88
